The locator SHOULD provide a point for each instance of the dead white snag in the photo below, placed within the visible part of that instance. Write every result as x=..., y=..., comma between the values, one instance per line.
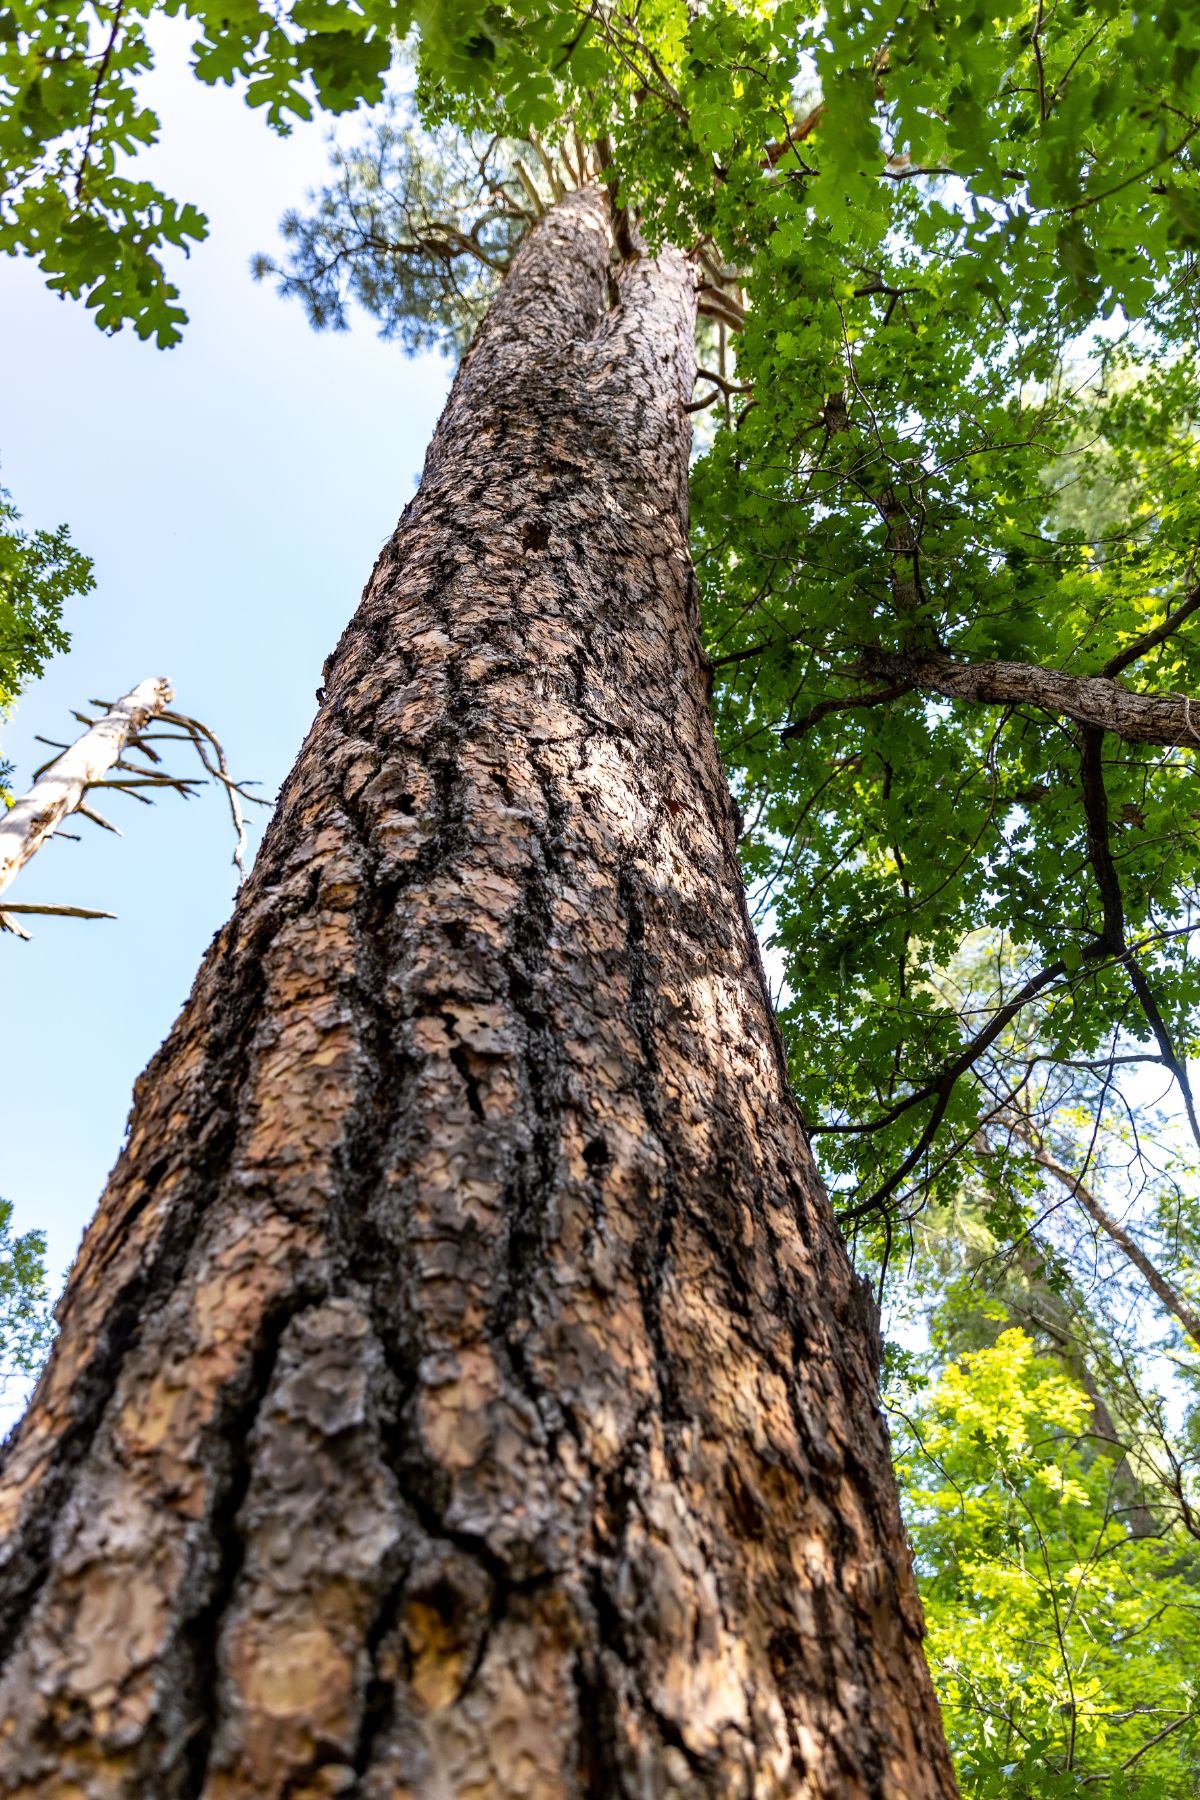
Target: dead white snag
x=63, y=787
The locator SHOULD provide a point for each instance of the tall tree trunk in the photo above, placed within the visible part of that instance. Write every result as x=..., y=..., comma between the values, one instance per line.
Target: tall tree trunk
x=463, y=1392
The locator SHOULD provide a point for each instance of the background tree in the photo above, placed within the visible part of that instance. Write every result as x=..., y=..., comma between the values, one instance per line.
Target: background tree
x=25, y=1326
x=39, y=572
x=1064, y=1644
x=1058, y=1552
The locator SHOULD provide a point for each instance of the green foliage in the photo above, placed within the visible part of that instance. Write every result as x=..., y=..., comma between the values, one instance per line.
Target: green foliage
x=25, y=1323
x=39, y=572
x=1062, y=1642
x=70, y=114
x=73, y=122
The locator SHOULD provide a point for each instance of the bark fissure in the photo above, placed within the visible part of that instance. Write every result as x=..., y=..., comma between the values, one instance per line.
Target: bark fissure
x=197, y=1656
x=654, y=1253
x=532, y=1188
x=379, y=1692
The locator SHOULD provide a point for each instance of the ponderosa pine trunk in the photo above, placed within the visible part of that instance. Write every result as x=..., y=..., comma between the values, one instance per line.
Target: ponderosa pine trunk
x=463, y=1392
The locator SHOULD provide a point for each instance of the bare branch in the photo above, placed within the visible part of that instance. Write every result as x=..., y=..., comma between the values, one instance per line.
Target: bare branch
x=235, y=791
x=86, y=812
x=99, y=760
x=34, y=818
x=62, y=912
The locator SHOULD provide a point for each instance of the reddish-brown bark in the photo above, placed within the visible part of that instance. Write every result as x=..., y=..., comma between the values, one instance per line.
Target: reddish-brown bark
x=463, y=1391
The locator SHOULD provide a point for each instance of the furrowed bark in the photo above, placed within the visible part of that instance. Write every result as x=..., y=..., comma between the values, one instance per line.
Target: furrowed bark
x=1169, y=719
x=63, y=788
x=463, y=1390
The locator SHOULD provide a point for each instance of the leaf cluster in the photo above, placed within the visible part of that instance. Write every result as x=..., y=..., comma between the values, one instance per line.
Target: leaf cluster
x=39, y=572
x=72, y=118
x=25, y=1322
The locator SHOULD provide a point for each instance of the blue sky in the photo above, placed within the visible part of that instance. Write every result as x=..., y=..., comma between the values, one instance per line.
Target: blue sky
x=234, y=493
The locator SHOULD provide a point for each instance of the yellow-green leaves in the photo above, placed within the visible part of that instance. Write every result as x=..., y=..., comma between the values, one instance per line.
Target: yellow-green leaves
x=1063, y=1642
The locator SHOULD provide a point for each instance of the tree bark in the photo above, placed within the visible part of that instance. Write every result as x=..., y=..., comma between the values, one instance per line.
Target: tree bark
x=463, y=1390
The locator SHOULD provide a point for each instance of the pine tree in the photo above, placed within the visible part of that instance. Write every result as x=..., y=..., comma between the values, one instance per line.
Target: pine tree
x=463, y=1389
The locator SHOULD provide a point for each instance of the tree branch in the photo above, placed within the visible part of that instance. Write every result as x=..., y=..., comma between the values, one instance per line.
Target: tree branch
x=714, y=303
x=942, y=1083
x=1112, y=939
x=823, y=708
x=94, y=105
x=1090, y=700
x=1150, y=640
x=796, y=134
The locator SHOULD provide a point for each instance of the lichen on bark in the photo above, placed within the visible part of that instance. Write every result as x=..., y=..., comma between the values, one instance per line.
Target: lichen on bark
x=463, y=1390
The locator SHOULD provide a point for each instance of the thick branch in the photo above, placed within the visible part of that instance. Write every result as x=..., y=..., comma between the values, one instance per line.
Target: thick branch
x=1094, y=700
